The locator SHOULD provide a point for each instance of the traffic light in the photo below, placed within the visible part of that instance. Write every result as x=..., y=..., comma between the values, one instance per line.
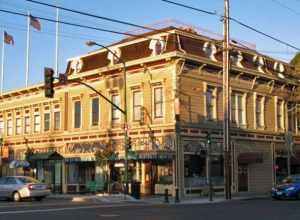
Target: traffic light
x=49, y=78
x=128, y=142
x=208, y=138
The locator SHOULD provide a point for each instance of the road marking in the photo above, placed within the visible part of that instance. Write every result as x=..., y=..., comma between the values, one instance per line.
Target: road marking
x=109, y=215
x=65, y=209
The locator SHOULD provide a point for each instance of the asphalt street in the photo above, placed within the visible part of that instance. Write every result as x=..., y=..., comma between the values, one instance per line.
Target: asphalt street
x=263, y=209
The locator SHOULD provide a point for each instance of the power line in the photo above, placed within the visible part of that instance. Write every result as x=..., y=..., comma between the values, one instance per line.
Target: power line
x=190, y=7
x=93, y=15
x=286, y=7
x=240, y=23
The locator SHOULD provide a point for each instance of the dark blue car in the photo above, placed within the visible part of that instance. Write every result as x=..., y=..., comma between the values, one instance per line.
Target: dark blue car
x=289, y=189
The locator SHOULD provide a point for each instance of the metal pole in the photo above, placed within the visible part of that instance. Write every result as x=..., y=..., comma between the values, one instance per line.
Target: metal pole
x=210, y=186
x=2, y=64
x=226, y=101
x=28, y=48
x=57, y=42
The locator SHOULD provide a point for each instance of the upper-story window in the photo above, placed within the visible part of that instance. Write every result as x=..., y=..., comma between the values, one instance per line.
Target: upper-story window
x=280, y=114
x=9, y=127
x=211, y=103
x=27, y=124
x=77, y=114
x=47, y=121
x=137, y=105
x=95, y=112
x=158, y=102
x=291, y=116
x=18, y=126
x=56, y=120
x=1, y=127
x=260, y=111
x=37, y=123
x=238, y=109
x=115, y=113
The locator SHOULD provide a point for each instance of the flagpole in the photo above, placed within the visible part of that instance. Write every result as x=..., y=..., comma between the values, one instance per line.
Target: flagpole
x=28, y=46
x=56, y=47
x=2, y=65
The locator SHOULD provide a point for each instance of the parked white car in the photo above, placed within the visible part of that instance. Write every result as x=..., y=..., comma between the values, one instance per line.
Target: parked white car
x=20, y=187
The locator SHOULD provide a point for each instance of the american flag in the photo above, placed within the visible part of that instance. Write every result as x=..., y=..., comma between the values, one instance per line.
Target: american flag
x=8, y=39
x=34, y=22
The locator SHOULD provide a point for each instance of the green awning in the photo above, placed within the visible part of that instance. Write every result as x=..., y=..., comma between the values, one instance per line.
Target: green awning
x=46, y=156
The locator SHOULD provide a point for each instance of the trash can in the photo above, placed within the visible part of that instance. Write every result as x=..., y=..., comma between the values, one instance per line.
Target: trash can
x=136, y=190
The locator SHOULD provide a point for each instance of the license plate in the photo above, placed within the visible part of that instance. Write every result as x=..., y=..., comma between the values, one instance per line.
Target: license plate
x=279, y=193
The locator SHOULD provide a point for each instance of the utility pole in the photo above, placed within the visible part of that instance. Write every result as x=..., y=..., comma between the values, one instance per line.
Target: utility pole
x=226, y=103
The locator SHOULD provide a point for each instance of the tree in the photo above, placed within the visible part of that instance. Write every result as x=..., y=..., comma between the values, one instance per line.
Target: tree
x=28, y=153
x=104, y=158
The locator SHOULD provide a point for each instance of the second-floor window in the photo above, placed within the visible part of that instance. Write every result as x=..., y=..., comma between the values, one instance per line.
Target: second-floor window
x=77, y=114
x=47, y=121
x=1, y=127
x=27, y=124
x=137, y=105
x=56, y=120
x=211, y=103
x=238, y=109
x=116, y=114
x=95, y=112
x=158, y=102
x=37, y=123
x=9, y=127
x=18, y=126
x=259, y=111
x=280, y=118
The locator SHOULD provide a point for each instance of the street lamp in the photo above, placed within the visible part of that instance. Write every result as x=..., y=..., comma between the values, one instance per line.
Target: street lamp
x=93, y=43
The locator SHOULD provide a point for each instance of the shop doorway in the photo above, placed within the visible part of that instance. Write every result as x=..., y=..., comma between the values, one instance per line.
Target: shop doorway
x=243, y=178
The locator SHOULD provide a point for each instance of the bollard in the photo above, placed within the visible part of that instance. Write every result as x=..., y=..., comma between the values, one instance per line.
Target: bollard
x=166, y=196
x=177, y=195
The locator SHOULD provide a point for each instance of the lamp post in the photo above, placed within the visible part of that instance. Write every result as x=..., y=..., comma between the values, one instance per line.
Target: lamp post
x=93, y=43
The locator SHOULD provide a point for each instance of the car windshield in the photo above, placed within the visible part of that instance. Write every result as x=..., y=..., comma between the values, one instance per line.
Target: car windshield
x=27, y=180
x=291, y=179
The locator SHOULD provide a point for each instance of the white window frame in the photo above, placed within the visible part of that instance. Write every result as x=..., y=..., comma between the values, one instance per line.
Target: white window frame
x=91, y=113
x=239, y=122
x=80, y=114
x=155, y=117
x=35, y=124
x=25, y=125
x=2, y=127
x=113, y=109
x=260, y=123
x=54, y=120
x=18, y=127
x=9, y=127
x=214, y=102
x=134, y=106
x=280, y=124
x=44, y=121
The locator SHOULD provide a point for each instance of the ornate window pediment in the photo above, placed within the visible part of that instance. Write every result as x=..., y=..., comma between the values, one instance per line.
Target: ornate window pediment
x=236, y=58
x=210, y=50
x=259, y=62
x=157, y=46
x=278, y=67
x=115, y=56
x=76, y=65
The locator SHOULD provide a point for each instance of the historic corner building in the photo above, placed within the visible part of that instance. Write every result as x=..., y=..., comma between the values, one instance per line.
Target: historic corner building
x=169, y=69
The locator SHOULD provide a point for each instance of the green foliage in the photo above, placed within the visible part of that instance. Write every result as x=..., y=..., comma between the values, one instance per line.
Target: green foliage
x=28, y=153
x=105, y=156
x=296, y=62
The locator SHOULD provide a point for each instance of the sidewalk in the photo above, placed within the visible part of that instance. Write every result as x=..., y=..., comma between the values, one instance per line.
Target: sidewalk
x=119, y=198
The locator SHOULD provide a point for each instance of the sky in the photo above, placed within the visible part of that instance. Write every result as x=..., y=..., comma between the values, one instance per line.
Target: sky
x=278, y=18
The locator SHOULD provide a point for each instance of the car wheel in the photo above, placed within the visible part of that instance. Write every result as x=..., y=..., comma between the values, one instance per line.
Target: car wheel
x=40, y=198
x=16, y=197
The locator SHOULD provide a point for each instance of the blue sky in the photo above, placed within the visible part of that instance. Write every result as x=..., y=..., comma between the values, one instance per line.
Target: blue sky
x=269, y=16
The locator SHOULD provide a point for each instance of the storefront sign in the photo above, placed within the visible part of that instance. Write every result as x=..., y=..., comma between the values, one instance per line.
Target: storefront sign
x=86, y=147
x=154, y=143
